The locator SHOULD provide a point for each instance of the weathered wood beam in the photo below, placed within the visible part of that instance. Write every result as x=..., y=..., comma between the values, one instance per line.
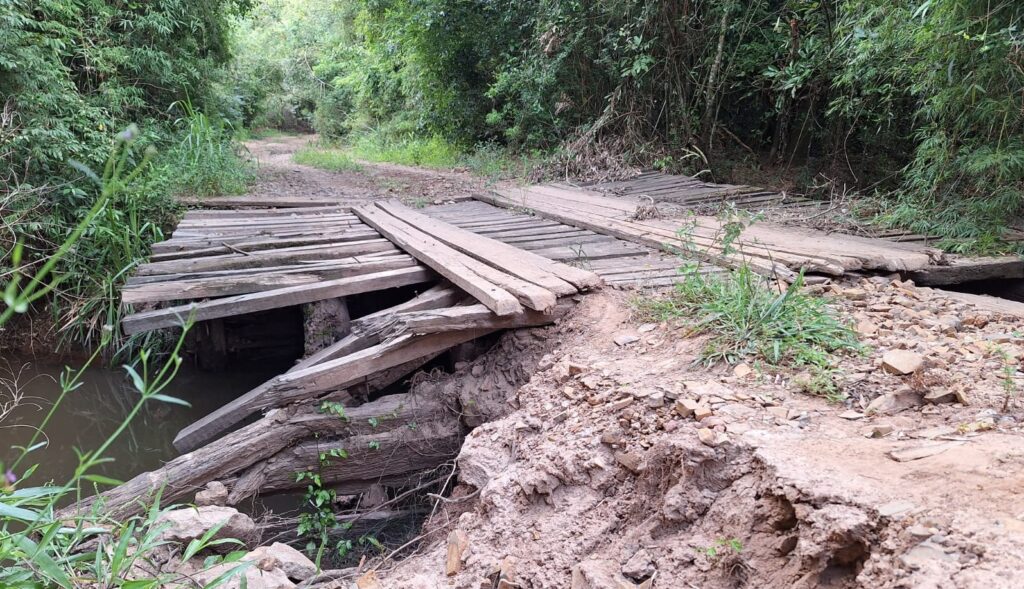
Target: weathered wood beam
x=282, y=297
x=230, y=456
x=553, y=276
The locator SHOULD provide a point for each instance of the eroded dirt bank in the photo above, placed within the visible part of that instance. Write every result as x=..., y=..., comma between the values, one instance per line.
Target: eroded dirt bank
x=603, y=477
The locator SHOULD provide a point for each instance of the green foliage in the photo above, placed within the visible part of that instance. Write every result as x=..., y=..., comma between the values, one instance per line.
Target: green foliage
x=746, y=318
x=409, y=150
x=206, y=161
x=325, y=158
x=921, y=100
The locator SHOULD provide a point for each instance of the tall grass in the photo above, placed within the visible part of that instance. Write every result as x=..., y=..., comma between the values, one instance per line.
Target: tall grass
x=207, y=161
x=407, y=149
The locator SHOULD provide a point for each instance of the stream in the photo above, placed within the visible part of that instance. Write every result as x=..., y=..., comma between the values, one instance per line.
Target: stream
x=92, y=412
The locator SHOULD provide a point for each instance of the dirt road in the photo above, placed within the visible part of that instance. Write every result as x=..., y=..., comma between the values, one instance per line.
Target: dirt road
x=281, y=177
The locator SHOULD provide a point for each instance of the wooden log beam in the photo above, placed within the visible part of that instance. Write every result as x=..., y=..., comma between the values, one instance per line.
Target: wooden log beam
x=282, y=297
x=230, y=456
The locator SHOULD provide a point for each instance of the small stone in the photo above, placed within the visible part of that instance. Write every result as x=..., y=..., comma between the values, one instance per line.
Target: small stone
x=895, y=508
x=855, y=294
x=866, y=328
x=878, y=431
x=779, y=412
x=940, y=396
x=647, y=327
x=640, y=566
x=893, y=402
x=631, y=461
x=902, y=362
x=457, y=544
x=919, y=532
x=576, y=368
x=686, y=407
x=215, y=493
x=711, y=438
x=701, y=412
x=924, y=553
x=656, y=400
x=919, y=452
x=612, y=437
x=851, y=415
x=625, y=339
x=621, y=403
x=282, y=556
x=742, y=371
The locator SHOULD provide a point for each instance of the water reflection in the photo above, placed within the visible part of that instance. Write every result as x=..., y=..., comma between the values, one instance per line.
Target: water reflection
x=93, y=411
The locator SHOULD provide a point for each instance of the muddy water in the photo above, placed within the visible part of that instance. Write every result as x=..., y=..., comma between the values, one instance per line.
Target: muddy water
x=91, y=413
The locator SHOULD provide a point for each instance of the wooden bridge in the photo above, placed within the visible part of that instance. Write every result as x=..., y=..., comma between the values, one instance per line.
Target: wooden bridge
x=513, y=257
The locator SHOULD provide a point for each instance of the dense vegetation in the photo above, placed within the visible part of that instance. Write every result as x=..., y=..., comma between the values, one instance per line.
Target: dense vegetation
x=919, y=101
x=78, y=76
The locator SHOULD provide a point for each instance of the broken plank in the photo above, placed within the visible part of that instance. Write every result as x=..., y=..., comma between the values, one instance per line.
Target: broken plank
x=267, y=257
x=282, y=297
x=558, y=278
x=460, y=269
x=307, y=383
x=969, y=269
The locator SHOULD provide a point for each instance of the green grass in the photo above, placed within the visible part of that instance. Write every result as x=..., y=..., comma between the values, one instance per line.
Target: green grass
x=748, y=319
x=426, y=152
x=261, y=133
x=327, y=158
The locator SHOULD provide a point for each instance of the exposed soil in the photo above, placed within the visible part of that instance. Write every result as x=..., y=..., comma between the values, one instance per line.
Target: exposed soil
x=597, y=480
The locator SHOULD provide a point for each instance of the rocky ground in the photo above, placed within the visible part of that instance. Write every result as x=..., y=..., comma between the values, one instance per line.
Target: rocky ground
x=628, y=466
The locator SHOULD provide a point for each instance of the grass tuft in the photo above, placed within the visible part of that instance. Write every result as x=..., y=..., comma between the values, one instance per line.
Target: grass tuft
x=749, y=319
x=335, y=160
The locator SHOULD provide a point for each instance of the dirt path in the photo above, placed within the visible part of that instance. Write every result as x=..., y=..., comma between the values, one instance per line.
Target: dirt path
x=281, y=177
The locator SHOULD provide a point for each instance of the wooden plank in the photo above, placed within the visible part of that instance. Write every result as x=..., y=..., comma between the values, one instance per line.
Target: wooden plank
x=213, y=247
x=282, y=297
x=301, y=267
x=460, y=269
x=968, y=269
x=558, y=278
x=220, y=286
x=267, y=257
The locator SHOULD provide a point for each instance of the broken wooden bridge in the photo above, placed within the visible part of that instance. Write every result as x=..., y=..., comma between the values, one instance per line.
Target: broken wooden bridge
x=514, y=257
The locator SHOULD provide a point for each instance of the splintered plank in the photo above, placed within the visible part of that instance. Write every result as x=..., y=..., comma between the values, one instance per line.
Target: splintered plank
x=281, y=297
x=461, y=270
x=968, y=269
x=554, y=276
x=220, y=286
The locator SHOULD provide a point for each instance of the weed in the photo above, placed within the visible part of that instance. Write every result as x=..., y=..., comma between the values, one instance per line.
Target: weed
x=722, y=547
x=374, y=445
x=746, y=318
x=325, y=158
x=207, y=161
x=1008, y=373
x=406, y=149
x=820, y=381
x=334, y=408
